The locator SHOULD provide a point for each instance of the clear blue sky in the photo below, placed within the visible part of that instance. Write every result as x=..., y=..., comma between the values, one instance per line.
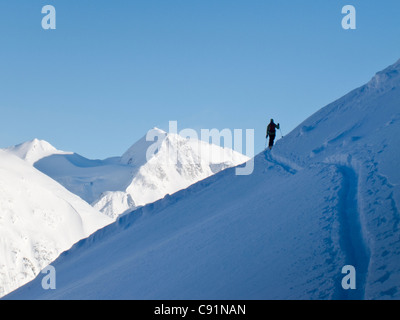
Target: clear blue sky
x=114, y=69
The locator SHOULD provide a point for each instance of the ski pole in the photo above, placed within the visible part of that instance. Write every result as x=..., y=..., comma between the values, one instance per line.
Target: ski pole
x=281, y=132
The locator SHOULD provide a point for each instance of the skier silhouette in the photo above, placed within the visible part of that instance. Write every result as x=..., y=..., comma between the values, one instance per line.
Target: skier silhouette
x=271, y=132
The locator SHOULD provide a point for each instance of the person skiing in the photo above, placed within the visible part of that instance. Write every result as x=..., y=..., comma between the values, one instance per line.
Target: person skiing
x=271, y=132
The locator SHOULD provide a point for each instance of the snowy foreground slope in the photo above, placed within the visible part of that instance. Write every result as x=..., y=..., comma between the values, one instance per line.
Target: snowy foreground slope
x=39, y=218
x=117, y=184
x=325, y=197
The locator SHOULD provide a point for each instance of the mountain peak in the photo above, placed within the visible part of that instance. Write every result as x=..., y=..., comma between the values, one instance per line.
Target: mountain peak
x=136, y=154
x=33, y=150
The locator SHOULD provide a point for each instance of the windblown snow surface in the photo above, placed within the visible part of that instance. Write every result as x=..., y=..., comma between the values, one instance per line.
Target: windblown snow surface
x=325, y=197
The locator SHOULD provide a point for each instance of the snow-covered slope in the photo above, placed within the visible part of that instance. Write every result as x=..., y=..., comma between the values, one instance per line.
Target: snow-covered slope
x=139, y=176
x=39, y=219
x=327, y=196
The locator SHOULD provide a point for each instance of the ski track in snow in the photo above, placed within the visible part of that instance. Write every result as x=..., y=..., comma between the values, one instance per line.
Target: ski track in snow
x=351, y=236
x=352, y=241
x=284, y=163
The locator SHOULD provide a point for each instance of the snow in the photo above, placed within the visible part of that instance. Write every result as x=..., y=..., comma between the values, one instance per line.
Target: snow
x=178, y=163
x=34, y=150
x=136, y=154
x=112, y=186
x=39, y=218
x=112, y=203
x=139, y=176
x=326, y=196
x=86, y=178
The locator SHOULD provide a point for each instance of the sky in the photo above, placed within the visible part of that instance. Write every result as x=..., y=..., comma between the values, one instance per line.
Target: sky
x=112, y=70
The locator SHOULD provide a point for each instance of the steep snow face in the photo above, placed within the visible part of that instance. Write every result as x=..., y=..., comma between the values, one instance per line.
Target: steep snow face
x=146, y=172
x=328, y=195
x=112, y=203
x=136, y=155
x=39, y=219
x=34, y=150
x=178, y=163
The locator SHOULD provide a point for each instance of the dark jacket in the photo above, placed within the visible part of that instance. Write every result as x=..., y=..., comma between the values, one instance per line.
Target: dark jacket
x=271, y=129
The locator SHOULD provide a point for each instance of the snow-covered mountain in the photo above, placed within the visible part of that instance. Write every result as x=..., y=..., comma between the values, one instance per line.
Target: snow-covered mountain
x=139, y=176
x=34, y=150
x=39, y=218
x=328, y=195
x=176, y=164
